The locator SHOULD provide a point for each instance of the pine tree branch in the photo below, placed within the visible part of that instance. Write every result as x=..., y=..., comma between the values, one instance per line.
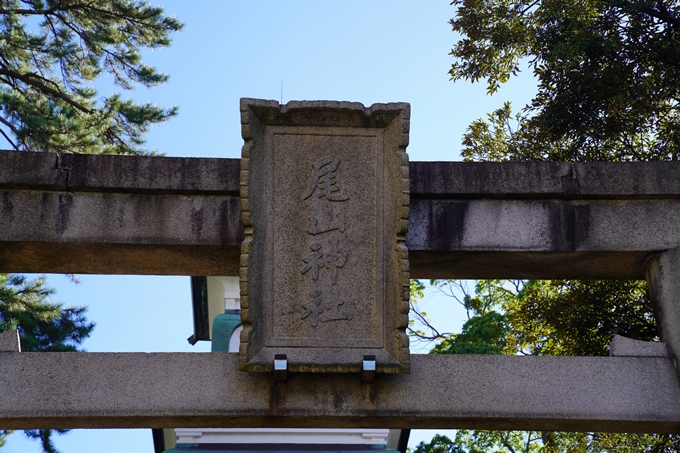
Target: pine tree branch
x=9, y=140
x=91, y=6
x=32, y=80
x=65, y=75
x=23, y=12
x=140, y=23
x=35, y=12
x=8, y=124
x=85, y=37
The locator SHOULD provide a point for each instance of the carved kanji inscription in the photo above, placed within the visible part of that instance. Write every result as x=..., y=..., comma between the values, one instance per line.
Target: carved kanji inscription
x=326, y=213
x=329, y=252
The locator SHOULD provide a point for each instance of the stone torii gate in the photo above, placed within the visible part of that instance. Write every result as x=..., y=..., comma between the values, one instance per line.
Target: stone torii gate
x=176, y=216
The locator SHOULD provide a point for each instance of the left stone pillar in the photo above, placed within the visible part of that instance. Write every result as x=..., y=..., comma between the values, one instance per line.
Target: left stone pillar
x=324, y=265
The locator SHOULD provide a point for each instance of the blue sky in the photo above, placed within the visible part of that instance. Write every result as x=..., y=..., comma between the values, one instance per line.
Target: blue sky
x=350, y=50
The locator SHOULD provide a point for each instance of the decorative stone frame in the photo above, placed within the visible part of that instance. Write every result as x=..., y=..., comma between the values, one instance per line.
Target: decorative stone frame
x=324, y=182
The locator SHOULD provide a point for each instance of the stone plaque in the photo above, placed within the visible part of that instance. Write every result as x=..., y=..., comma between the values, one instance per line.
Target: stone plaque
x=324, y=264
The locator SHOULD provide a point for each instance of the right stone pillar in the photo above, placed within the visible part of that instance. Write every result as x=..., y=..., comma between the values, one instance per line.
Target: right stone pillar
x=663, y=278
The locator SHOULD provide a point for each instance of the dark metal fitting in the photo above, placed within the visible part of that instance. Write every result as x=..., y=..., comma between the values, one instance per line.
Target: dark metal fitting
x=280, y=367
x=368, y=369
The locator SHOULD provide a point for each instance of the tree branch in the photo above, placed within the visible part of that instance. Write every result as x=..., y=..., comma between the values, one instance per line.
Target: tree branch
x=435, y=334
x=87, y=40
x=663, y=16
x=505, y=441
x=134, y=20
x=9, y=125
x=32, y=79
x=23, y=12
x=9, y=139
x=536, y=2
x=528, y=443
x=35, y=12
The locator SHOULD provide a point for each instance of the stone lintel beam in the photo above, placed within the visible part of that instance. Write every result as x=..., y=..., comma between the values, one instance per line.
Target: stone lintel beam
x=541, y=219
x=429, y=180
x=119, y=214
x=121, y=174
x=532, y=238
x=164, y=390
x=545, y=180
x=179, y=216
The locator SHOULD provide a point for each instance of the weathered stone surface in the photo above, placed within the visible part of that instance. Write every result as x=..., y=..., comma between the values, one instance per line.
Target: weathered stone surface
x=31, y=170
x=626, y=347
x=141, y=174
x=135, y=390
x=100, y=232
x=537, y=238
x=601, y=264
x=115, y=258
x=119, y=214
x=664, y=285
x=463, y=180
x=628, y=179
x=593, y=220
x=9, y=341
x=119, y=218
x=543, y=180
x=325, y=208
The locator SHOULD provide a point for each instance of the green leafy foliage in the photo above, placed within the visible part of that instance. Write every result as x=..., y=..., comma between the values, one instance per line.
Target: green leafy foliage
x=576, y=317
x=549, y=317
x=51, y=51
x=439, y=444
x=553, y=317
x=467, y=441
x=608, y=74
x=43, y=325
x=44, y=436
x=482, y=334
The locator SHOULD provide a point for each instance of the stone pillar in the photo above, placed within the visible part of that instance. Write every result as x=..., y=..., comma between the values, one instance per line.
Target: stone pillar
x=663, y=278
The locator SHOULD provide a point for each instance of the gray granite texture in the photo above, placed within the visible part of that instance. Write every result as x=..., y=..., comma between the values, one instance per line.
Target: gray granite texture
x=166, y=390
x=664, y=288
x=114, y=214
x=121, y=214
x=325, y=198
x=9, y=341
x=626, y=347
